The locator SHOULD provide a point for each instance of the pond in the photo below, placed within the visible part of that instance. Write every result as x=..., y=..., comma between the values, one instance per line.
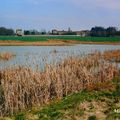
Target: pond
x=38, y=55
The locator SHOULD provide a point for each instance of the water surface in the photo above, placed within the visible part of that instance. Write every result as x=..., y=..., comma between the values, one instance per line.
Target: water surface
x=38, y=55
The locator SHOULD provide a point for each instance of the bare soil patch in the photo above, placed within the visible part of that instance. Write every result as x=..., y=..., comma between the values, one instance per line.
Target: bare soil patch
x=51, y=43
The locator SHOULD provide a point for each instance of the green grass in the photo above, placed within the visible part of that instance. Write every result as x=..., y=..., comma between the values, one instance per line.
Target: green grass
x=69, y=104
x=92, y=118
x=45, y=38
x=57, y=110
x=20, y=116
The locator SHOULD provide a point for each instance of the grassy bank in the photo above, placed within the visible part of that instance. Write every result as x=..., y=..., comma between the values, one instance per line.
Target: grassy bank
x=99, y=103
x=45, y=38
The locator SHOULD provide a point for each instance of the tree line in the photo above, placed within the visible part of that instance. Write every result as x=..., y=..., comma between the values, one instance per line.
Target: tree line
x=35, y=32
x=104, y=32
x=5, y=31
x=97, y=31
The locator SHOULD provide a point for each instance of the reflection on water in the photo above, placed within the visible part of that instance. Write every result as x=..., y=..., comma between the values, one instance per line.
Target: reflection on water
x=38, y=55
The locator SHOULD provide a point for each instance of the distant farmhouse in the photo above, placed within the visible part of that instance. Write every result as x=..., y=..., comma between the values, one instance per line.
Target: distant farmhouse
x=56, y=32
x=19, y=32
x=82, y=33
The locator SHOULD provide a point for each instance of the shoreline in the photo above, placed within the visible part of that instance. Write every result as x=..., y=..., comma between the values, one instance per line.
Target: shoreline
x=52, y=43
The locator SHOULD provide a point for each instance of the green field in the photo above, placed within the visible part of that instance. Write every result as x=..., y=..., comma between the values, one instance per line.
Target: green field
x=45, y=38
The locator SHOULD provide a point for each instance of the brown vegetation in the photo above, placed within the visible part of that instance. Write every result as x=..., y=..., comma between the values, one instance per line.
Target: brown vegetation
x=113, y=55
x=37, y=43
x=6, y=56
x=22, y=87
x=51, y=43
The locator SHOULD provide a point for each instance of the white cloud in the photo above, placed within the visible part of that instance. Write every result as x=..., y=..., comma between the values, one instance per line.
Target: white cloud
x=109, y=4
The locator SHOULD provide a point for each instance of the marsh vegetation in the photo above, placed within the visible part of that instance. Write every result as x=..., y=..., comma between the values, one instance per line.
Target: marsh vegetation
x=5, y=56
x=112, y=55
x=24, y=88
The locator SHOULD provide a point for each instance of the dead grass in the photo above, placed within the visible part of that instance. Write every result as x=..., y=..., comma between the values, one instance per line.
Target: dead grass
x=37, y=43
x=113, y=55
x=6, y=56
x=55, y=42
x=23, y=88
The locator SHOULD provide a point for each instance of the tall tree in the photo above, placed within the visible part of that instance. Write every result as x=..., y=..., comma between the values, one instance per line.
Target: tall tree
x=98, y=31
x=5, y=31
x=111, y=31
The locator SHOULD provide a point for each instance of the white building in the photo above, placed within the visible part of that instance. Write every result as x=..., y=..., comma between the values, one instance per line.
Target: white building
x=19, y=32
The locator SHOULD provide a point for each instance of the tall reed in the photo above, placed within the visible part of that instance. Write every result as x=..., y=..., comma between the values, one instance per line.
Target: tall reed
x=23, y=88
x=6, y=56
x=113, y=55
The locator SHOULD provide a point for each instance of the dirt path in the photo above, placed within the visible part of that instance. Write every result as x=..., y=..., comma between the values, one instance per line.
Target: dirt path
x=51, y=43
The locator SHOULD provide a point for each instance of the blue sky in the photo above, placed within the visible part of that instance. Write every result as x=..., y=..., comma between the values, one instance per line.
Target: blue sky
x=59, y=14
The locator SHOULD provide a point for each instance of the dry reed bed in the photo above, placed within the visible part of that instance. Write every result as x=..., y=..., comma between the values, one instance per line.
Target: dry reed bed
x=6, y=56
x=23, y=88
x=113, y=55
